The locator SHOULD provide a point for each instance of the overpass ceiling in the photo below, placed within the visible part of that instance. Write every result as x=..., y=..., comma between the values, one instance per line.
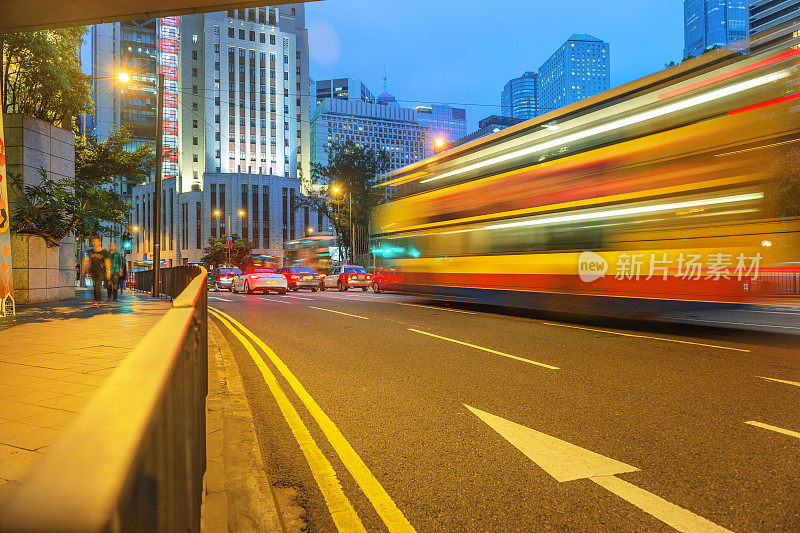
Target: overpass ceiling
x=27, y=15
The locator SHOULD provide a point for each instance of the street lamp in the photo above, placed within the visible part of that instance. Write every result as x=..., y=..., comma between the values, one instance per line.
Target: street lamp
x=135, y=229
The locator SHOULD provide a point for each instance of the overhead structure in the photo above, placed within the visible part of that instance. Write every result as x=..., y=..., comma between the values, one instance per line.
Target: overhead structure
x=28, y=15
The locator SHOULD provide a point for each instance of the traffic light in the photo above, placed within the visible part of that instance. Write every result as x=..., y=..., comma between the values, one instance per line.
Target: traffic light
x=127, y=243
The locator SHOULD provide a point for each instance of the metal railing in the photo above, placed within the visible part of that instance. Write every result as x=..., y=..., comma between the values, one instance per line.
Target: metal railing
x=173, y=279
x=134, y=459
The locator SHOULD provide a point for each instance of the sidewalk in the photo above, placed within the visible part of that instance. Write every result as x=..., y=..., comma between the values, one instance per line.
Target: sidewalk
x=53, y=361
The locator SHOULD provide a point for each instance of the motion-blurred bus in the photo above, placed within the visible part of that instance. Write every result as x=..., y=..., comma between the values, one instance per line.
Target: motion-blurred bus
x=679, y=188
x=318, y=252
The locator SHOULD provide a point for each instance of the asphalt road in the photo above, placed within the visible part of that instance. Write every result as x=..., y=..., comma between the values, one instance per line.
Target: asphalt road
x=394, y=375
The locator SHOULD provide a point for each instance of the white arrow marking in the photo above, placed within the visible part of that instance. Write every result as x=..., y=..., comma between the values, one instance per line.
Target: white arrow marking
x=567, y=462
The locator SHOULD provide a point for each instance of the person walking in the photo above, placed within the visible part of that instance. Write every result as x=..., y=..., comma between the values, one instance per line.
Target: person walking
x=122, y=278
x=98, y=266
x=117, y=264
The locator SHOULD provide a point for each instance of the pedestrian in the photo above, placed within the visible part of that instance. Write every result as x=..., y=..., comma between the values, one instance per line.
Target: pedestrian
x=98, y=266
x=122, y=278
x=117, y=264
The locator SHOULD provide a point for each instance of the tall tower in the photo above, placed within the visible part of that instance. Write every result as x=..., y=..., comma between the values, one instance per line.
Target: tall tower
x=709, y=23
x=519, y=97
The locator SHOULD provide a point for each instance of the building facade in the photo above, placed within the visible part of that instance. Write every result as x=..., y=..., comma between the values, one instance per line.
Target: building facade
x=709, y=23
x=773, y=23
x=261, y=208
x=342, y=89
x=581, y=67
x=519, y=97
x=394, y=129
x=443, y=122
x=487, y=126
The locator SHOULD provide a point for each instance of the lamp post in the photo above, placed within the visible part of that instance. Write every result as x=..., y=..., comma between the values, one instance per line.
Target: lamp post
x=159, y=164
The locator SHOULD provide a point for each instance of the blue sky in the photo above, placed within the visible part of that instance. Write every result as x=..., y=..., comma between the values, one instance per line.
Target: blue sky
x=464, y=51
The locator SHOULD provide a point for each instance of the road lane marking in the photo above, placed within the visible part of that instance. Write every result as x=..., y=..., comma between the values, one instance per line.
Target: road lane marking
x=218, y=298
x=276, y=301
x=484, y=349
x=338, y=312
x=644, y=336
x=342, y=512
x=299, y=297
x=796, y=384
x=567, y=462
x=384, y=505
x=789, y=432
x=437, y=308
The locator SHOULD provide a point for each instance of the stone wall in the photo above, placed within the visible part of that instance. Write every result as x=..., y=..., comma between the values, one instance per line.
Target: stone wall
x=40, y=273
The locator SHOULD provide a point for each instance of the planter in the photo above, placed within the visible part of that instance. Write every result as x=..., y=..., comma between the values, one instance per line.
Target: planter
x=42, y=273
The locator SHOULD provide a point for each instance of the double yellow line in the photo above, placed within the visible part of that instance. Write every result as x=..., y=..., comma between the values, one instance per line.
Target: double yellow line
x=342, y=512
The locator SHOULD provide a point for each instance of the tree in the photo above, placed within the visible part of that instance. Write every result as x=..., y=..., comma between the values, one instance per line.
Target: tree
x=349, y=195
x=216, y=253
x=40, y=75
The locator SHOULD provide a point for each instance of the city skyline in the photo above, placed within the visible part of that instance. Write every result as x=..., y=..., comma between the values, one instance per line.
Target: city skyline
x=420, y=70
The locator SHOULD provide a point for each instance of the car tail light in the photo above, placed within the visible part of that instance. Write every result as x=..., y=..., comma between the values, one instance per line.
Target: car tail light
x=223, y=277
x=294, y=276
x=319, y=277
x=369, y=276
x=253, y=276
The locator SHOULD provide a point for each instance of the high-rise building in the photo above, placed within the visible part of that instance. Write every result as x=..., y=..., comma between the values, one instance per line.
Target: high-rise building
x=487, y=126
x=519, y=97
x=343, y=89
x=392, y=128
x=444, y=123
x=244, y=94
x=773, y=23
x=578, y=69
x=709, y=23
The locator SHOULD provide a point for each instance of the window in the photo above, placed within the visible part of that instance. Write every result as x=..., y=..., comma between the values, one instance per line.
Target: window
x=272, y=39
x=216, y=48
x=194, y=72
x=194, y=141
x=285, y=76
x=194, y=160
x=194, y=53
x=194, y=89
x=231, y=33
x=216, y=65
x=231, y=13
x=252, y=35
x=194, y=123
x=252, y=54
x=216, y=100
x=262, y=37
x=194, y=106
x=241, y=34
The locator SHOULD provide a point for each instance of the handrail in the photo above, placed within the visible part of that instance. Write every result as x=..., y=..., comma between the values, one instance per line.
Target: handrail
x=135, y=457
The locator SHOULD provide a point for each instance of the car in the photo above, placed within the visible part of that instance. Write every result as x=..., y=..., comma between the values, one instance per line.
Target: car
x=222, y=278
x=347, y=276
x=259, y=279
x=387, y=279
x=301, y=278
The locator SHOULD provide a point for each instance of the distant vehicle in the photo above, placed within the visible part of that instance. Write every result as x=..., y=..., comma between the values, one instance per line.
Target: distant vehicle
x=387, y=279
x=346, y=276
x=222, y=278
x=259, y=279
x=301, y=278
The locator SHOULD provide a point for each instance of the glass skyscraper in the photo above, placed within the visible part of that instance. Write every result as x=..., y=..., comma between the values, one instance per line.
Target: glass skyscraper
x=578, y=69
x=519, y=97
x=443, y=122
x=712, y=22
x=777, y=23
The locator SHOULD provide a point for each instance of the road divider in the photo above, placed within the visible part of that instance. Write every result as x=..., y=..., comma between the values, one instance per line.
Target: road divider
x=392, y=517
x=550, y=367
x=644, y=336
x=568, y=462
x=342, y=512
x=776, y=429
x=338, y=312
x=786, y=381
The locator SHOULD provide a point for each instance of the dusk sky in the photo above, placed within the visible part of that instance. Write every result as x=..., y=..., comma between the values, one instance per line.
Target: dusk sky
x=464, y=52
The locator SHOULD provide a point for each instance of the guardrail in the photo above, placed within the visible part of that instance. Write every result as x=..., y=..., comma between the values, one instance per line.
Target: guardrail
x=173, y=279
x=134, y=459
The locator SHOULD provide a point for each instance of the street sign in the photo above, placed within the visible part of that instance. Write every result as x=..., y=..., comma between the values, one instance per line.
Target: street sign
x=229, y=243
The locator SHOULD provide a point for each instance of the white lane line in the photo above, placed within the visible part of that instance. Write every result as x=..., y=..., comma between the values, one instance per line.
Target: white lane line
x=796, y=384
x=276, y=301
x=789, y=432
x=485, y=349
x=437, y=308
x=218, y=298
x=338, y=312
x=299, y=297
x=645, y=337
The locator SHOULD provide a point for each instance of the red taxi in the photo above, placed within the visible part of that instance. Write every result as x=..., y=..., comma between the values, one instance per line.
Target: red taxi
x=387, y=279
x=346, y=277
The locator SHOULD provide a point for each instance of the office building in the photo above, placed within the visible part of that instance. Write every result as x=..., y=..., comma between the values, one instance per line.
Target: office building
x=519, y=97
x=258, y=207
x=244, y=94
x=773, y=23
x=711, y=23
x=342, y=89
x=444, y=123
x=389, y=127
x=487, y=126
x=581, y=67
